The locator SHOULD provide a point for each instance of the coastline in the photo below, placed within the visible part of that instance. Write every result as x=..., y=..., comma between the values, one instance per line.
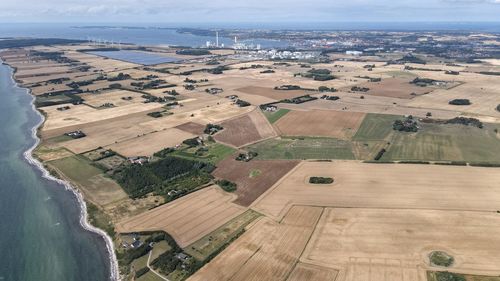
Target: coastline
x=28, y=156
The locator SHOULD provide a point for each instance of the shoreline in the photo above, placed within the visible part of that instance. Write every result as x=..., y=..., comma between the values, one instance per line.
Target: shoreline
x=28, y=156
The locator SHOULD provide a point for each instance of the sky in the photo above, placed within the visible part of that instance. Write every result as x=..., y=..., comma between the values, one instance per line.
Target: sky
x=221, y=11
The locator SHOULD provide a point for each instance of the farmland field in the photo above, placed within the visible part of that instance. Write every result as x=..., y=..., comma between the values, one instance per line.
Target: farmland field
x=252, y=178
x=446, y=142
x=246, y=129
x=187, y=219
x=272, y=117
x=335, y=124
x=95, y=185
x=303, y=148
x=365, y=185
x=268, y=251
x=375, y=127
x=220, y=237
x=215, y=152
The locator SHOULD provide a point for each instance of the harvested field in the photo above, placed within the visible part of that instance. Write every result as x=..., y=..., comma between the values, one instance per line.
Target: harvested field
x=336, y=124
x=403, y=186
x=268, y=251
x=81, y=114
x=244, y=130
x=90, y=180
x=250, y=187
x=304, y=271
x=150, y=143
x=188, y=218
x=395, y=245
x=211, y=243
x=272, y=93
x=192, y=127
x=115, y=97
x=395, y=88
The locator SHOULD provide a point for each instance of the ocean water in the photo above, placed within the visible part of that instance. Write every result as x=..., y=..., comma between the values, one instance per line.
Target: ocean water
x=40, y=233
x=148, y=36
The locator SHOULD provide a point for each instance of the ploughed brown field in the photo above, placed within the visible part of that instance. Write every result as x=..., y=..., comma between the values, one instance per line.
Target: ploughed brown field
x=254, y=177
x=245, y=130
x=320, y=123
x=192, y=127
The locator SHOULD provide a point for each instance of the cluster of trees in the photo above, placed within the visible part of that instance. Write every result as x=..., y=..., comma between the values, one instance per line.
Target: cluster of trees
x=246, y=156
x=449, y=276
x=217, y=70
x=193, y=52
x=359, y=89
x=287, y=87
x=459, y=102
x=55, y=56
x=319, y=74
x=138, y=180
x=325, y=97
x=192, y=142
x=267, y=71
x=242, y=103
x=407, y=125
x=300, y=99
x=212, y=129
x=466, y=121
x=320, y=180
x=380, y=154
x=227, y=185
x=119, y=77
x=326, y=89
x=78, y=84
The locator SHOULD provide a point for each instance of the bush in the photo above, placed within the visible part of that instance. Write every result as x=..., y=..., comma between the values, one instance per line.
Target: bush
x=460, y=102
x=320, y=180
x=441, y=259
x=141, y=272
x=449, y=276
x=226, y=185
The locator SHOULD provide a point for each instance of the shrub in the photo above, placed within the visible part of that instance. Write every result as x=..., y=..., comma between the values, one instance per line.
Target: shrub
x=226, y=185
x=141, y=272
x=320, y=180
x=449, y=276
x=440, y=258
x=460, y=102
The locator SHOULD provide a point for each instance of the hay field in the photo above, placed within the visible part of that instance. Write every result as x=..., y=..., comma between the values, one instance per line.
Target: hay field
x=395, y=88
x=304, y=271
x=272, y=93
x=103, y=133
x=114, y=97
x=150, y=143
x=336, y=124
x=383, y=244
x=254, y=177
x=188, y=218
x=483, y=93
x=268, y=251
x=246, y=129
x=366, y=185
x=81, y=114
x=99, y=63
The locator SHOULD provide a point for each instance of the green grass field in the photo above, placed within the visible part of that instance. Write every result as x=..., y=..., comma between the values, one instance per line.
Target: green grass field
x=375, y=127
x=438, y=142
x=220, y=237
x=216, y=152
x=150, y=276
x=275, y=116
x=441, y=276
x=159, y=248
x=303, y=148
